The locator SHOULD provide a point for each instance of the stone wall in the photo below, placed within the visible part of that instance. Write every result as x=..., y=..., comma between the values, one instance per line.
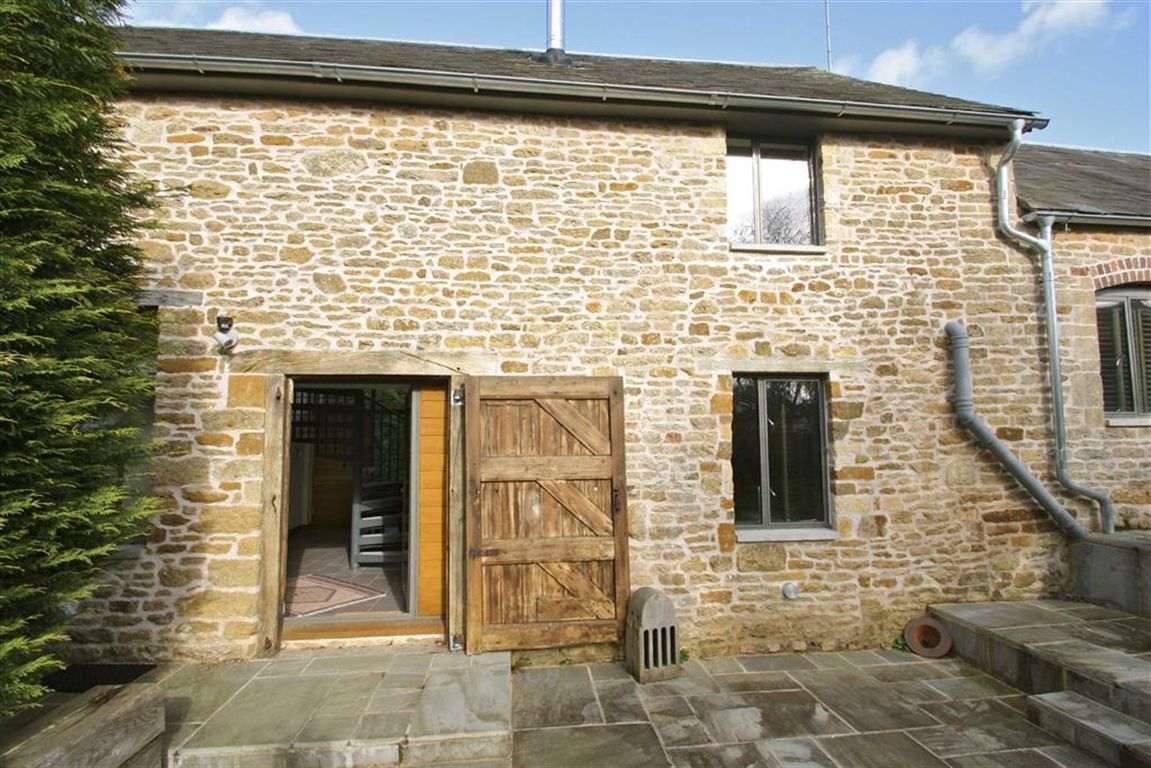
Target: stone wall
x=584, y=247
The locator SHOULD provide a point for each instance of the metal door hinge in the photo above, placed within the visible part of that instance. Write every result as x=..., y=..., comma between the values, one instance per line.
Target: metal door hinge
x=458, y=395
x=615, y=501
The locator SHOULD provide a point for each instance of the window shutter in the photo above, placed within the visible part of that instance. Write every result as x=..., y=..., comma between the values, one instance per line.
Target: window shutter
x=1114, y=360
x=1142, y=309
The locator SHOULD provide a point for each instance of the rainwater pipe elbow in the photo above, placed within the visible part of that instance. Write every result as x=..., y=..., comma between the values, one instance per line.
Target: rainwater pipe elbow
x=1043, y=246
x=960, y=344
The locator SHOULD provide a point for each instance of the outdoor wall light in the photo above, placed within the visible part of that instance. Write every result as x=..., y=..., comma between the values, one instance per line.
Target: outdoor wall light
x=225, y=336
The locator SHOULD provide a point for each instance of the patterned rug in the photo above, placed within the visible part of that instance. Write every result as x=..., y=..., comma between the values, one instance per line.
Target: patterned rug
x=308, y=595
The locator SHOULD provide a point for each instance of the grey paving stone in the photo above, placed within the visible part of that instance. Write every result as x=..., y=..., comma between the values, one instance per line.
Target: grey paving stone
x=899, y=657
x=439, y=750
x=450, y=660
x=1136, y=755
x=333, y=730
x=755, y=681
x=474, y=700
x=343, y=665
x=551, y=696
x=278, y=668
x=1126, y=636
x=388, y=700
x=988, y=725
x=1026, y=758
x=1068, y=756
x=831, y=660
x=1002, y=615
x=721, y=665
x=611, y=671
x=796, y=753
x=916, y=692
x=731, y=717
x=902, y=673
x=194, y=692
x=863, y=658
x=693, y=682
x=178, y=732
x=383, y=726
x=1091, y=660
x=399, y=681
x=981, y=687
x=880, y=750
x=620, y=701
x=349, y=695
x=1089, y=612
x=268, y=711
x=676, y=722
x=862, y=701
x=625, y=745
x=1084, y=713
x=720, y=756
x=777, y=662
x=411, y=664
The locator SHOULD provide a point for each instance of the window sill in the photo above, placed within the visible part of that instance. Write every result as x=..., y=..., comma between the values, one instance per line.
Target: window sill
x=749, y=535
x=794, y=248
x=1128, y=421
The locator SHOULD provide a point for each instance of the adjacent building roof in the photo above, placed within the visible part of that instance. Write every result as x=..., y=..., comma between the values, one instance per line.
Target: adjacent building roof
x=216, y=52
x=1088, y=184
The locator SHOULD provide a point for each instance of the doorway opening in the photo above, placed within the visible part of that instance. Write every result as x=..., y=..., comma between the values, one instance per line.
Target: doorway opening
x=365, y=508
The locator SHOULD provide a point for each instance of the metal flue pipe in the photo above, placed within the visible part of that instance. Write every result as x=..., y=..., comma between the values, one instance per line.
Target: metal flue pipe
x=555, y=25
x=960, y=344
x=1042, y=245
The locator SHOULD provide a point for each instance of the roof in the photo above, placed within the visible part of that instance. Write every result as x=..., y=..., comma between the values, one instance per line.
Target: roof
x=1091, y=182
x=144, y=45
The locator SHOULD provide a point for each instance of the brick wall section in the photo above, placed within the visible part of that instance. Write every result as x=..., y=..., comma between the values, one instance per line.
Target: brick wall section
x=584, y=247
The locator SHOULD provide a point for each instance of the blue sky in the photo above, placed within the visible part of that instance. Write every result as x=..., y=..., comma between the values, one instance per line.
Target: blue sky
x=1086, y=64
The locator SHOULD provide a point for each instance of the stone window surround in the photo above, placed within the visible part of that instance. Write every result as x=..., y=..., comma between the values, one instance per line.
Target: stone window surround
x=833, y=370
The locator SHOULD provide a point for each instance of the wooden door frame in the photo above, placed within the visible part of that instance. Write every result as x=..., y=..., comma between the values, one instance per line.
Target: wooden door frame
x=280, y=365
x=471, y=445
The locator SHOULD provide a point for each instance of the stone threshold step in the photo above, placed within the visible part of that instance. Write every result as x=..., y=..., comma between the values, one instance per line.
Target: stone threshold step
x=1042, y=646
x=413, y=751
x=1112, y=736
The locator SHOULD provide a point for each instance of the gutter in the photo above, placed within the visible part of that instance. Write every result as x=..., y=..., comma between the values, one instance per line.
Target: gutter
x=477, y=83
x=1042, y=245
x=960, y=344
x=1090, y=219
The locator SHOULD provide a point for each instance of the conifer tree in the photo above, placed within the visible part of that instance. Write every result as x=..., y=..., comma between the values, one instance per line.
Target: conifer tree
x=73, y=343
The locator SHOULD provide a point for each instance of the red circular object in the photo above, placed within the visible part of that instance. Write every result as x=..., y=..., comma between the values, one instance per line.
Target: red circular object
x=927, y=637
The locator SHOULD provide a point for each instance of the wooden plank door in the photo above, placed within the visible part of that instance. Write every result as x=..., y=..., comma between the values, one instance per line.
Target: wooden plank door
x=546, y=512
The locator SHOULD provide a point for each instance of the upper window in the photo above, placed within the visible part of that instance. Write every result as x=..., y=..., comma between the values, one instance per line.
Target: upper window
x=770, y=193
x=1123, y=316
x=779, y=452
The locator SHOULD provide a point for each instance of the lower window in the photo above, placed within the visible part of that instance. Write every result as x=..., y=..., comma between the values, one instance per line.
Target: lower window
x=779, y=452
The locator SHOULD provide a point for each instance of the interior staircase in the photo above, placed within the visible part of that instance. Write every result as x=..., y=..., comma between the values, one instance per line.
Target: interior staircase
x=1086, y=666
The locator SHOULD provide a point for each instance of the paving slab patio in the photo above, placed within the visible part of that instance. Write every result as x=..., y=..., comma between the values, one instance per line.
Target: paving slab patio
x=369, y=707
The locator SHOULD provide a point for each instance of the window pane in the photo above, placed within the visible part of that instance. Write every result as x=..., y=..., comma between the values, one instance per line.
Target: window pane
x=785, y=195
x=1142, y=310
x=745, y=451
x=795, y=450
x=740, y=206
x=1114, y=358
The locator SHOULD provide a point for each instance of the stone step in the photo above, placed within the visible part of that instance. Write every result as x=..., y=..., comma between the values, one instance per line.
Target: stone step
x=1114, y=570
x=1044, y=646
x=1112, y=736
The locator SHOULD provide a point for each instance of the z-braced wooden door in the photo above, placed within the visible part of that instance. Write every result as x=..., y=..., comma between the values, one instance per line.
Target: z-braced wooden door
x=546, y=512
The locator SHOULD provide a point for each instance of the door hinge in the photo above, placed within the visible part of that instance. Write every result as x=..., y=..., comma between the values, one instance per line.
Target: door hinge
x=458, y=395
x=615, y=500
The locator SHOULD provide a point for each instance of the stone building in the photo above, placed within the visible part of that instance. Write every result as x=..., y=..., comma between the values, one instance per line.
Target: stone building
x=513, y=336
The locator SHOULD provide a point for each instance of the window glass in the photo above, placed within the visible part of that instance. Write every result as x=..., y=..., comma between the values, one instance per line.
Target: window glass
x=740, y=198
x=745, y=451
x=784, y=196
x=795, y=450
x=770, y=194
x=779, y=459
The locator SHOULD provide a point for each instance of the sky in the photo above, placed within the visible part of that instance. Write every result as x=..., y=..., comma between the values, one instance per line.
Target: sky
x=1085, y=64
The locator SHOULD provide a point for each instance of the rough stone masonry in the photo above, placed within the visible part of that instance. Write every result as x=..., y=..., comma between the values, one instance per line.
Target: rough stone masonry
x=592, y=247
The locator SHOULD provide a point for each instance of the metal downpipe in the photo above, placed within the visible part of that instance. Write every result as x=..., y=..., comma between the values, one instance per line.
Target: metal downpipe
x=960, y=344
x=1043, y=246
